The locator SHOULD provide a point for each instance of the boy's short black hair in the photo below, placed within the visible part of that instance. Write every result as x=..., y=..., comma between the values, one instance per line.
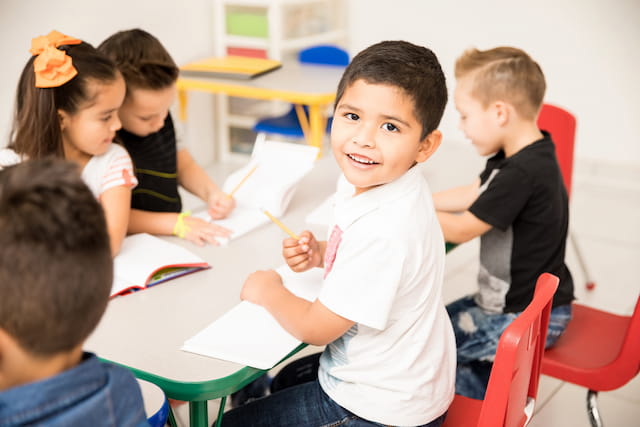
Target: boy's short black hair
x=141, y=58
x=55, y=261
x=414, y=69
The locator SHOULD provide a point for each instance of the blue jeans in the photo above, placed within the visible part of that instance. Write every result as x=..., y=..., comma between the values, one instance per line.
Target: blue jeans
x=302, y=405
x=477, y=335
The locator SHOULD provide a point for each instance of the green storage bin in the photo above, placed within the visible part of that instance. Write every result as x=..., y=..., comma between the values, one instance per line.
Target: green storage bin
x=247, y=24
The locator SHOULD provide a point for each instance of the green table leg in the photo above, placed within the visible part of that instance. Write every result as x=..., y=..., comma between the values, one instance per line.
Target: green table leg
x=172, y=418
x=223, y=402
x=198, y=416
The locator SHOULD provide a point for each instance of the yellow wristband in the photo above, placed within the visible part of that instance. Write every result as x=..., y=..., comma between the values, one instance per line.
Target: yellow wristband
x=180, y=229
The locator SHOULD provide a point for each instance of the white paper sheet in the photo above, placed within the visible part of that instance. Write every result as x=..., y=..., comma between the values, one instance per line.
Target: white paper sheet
x=247, y=334
x=242, y=220
x=279, y=167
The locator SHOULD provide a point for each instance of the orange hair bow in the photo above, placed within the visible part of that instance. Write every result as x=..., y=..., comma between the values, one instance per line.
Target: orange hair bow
x=53, y=67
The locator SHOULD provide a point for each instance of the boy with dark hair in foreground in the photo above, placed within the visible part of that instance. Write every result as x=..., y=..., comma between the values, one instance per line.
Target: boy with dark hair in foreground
x=55, y=279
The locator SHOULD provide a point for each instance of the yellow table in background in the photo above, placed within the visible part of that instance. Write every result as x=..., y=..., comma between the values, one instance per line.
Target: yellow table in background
x=313, y=86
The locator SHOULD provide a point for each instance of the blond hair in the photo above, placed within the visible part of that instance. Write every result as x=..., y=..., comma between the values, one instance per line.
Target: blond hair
x=504, y=73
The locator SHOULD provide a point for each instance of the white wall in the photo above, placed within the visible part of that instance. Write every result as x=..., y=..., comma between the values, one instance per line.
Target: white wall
x=183, y=26
x=587, y=49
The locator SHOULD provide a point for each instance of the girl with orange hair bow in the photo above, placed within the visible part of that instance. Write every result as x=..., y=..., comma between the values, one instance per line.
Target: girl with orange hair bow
x=67, y=106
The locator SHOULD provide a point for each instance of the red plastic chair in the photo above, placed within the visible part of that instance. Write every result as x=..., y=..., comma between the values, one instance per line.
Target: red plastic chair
x=561, y=124
x=513, y=383
x=598, y=350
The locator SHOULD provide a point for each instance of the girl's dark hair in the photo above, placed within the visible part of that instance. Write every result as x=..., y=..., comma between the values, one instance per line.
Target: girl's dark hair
x=141, y=58
x=414, y=69
x=36, y=131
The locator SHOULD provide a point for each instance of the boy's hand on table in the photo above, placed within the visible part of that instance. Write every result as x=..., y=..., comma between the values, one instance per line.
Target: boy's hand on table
x=301, y=255
x=202, y=232
x=220, y=205
x=260, y=285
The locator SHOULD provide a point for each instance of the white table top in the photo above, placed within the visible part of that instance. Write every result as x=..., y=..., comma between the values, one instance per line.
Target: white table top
x=146, y=329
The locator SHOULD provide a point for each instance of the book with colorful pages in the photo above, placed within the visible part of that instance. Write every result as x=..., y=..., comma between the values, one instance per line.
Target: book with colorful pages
x=145, y=260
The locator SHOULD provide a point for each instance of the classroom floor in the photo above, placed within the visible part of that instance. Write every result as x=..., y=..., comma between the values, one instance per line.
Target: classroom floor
x=611, y=249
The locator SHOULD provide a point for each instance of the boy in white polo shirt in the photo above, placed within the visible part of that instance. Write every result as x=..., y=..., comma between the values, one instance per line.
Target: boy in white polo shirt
x=390, y=348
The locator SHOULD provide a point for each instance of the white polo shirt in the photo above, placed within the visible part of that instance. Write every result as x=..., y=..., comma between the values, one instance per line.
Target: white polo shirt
x=396, y=365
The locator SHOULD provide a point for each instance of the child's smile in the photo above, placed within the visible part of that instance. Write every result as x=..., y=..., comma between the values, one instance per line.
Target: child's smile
x=375, y=135
x=361, y=161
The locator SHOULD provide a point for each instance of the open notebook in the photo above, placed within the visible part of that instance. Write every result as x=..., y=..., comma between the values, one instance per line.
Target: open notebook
x=145, y=260
x=279, y=167
x=247, y=334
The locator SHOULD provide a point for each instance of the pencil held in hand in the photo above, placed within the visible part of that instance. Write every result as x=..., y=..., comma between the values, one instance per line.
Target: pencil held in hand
x=242, y=181
x=281, y=225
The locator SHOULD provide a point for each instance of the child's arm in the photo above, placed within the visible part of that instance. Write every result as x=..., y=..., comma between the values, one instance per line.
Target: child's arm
x=197, y=230
x=303, y=254
x=115, y=203
x=457, y=199
x=195, y=180
x=461, y=227
x=458, y=224
x=310, y=322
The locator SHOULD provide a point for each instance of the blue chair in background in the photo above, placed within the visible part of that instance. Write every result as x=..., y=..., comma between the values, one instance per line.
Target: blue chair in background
x=295, y=121
x=155, y=403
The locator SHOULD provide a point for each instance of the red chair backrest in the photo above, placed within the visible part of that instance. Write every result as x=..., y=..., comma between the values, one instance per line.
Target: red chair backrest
x=516, y=369
x=561, y=124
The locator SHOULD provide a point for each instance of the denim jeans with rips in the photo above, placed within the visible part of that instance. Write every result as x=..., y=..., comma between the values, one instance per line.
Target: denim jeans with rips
x=301, y=405
x=477, y=334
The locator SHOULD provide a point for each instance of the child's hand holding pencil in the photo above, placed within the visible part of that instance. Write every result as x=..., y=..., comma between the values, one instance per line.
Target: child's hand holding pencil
x=300, y=252
x=220, y=205
x=303, y=253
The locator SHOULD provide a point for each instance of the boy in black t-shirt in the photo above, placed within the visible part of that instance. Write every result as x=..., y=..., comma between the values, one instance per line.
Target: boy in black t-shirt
x=149, y=135
x=518, y=207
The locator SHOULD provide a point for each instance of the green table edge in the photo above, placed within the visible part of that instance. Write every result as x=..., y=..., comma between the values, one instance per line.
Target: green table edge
x=205, y=390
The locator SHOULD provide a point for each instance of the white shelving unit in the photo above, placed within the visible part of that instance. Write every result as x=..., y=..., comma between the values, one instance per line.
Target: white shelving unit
x=277, y=29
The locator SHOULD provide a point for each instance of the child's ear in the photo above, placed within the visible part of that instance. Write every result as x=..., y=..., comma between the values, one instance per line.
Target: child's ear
x=502, y=112
x=429, y=145
x=63, y=119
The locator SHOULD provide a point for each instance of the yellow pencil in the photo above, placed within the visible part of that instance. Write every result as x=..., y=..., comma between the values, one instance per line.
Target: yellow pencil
x=242, y=181
x=281, y=225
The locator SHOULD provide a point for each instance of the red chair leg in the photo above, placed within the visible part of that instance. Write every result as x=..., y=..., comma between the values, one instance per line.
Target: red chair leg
x=590, y=284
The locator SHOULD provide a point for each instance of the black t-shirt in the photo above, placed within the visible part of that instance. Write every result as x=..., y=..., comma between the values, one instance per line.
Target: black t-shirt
x=524, y=199
x=156, y=166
